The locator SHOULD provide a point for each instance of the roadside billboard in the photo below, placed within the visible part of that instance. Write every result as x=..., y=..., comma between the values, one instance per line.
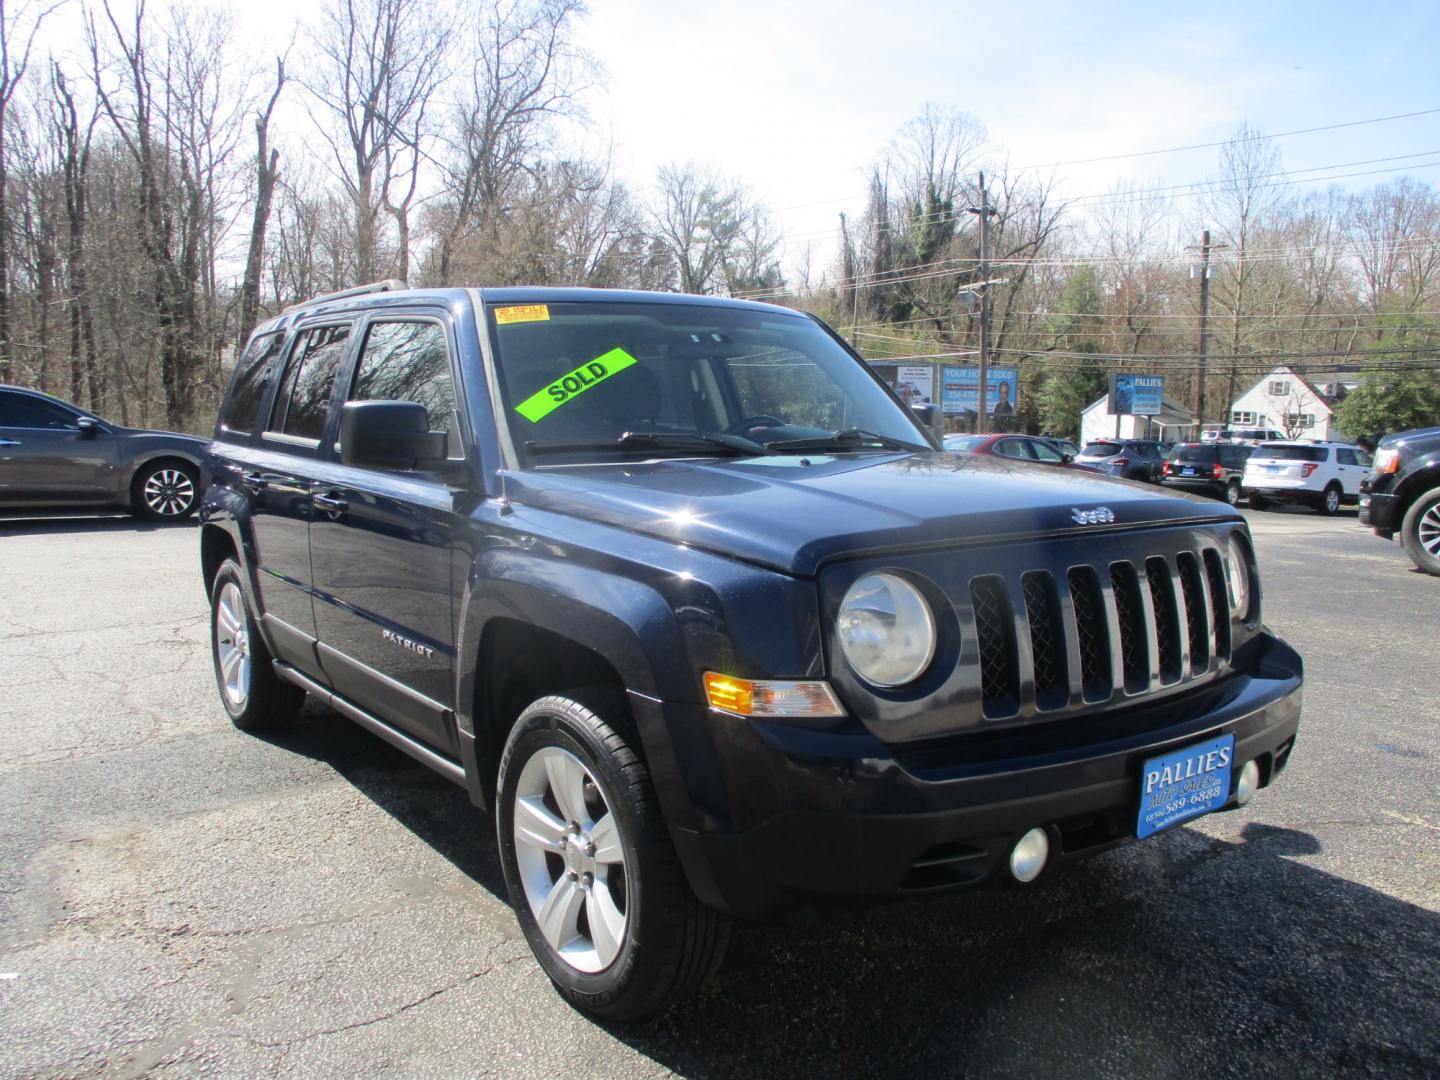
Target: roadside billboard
x=915, y=383
x=1137, y=395
x=961, y=390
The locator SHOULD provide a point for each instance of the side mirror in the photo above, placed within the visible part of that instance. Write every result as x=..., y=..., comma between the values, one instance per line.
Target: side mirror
x=1066, y=459
x=88, y=426
x=389, y=435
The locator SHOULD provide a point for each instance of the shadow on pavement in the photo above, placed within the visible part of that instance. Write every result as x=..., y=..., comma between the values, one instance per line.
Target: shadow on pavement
x=70, y=525
x=1182, y=956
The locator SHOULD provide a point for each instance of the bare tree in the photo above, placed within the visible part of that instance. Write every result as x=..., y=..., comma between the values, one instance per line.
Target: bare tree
x=74, y=138
x=524, y=72
x=18, y=26
x=267, y=172
x=378, y=66
x=1392, y=229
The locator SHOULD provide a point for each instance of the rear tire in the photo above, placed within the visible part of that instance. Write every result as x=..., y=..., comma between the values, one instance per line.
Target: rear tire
x=591, y=853
x=1420, y=532
x=1232, y=493
x=254, y=696
x=1259, y=502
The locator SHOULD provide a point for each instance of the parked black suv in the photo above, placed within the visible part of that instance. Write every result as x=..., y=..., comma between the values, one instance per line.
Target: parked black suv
x=1402, y=494
x=1216, y=469
x=678, y=588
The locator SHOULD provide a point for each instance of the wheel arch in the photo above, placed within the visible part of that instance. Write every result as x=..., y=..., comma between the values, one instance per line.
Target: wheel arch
x=1416, y=485
x=162, y=457
x=583, y=630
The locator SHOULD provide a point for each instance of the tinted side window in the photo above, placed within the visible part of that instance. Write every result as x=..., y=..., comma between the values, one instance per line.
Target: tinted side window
x=1043, y=452
x=1233, y=457
x=409, y=361
x=23, y=411
x=304, y=396
x=1347, y=457
x=252, y=376
x=1012, y=448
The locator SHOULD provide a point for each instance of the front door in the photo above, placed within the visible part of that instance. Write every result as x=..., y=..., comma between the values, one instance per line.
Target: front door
x=46, y=459
x=380, y=543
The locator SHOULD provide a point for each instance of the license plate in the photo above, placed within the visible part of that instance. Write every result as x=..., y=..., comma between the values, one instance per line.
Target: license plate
x=1188, y=471
x=1273, y=468
x=1184, y=784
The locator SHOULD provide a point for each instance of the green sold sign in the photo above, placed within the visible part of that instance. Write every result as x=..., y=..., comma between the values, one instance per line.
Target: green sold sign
x=540, y=405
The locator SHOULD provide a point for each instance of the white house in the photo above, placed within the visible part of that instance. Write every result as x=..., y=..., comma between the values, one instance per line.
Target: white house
x=1284, y=401
x=1174, y=424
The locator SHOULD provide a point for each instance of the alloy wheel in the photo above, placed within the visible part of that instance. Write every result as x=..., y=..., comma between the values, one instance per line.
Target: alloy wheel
x=571, y=860
x=169, y=493
x=1429, y=530
x=1332, y=500
x=232, y=645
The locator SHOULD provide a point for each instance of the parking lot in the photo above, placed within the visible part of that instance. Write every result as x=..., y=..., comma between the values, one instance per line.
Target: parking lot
x=177, y=898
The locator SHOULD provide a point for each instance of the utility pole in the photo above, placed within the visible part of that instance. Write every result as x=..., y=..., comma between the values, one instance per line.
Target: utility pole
x=1206, y=273
x=985, y=213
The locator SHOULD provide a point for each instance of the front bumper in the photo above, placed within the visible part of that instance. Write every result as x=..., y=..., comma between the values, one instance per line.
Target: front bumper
x=768, y=815
x=1380, y=511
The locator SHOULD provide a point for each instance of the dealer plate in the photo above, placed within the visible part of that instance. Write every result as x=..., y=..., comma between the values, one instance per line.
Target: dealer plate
x=1184, y=784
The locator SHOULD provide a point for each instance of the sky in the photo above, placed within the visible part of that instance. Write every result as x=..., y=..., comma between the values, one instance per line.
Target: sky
x=797, y=98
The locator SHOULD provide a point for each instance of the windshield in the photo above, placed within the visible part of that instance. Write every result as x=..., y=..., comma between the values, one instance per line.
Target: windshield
x=1291, y=453
x=1101, y=449
x=602, y=380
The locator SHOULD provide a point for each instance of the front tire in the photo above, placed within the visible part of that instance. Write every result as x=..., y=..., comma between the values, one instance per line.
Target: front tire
x=1420, y=532
x=165, y=491
x=592, y=875
x=254, y=696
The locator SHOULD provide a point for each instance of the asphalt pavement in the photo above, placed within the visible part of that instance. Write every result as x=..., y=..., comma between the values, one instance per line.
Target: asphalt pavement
x=180, y=899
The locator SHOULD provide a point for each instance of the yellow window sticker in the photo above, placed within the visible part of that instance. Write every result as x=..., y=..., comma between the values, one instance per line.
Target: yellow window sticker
x=541, y=404
x=526, y=313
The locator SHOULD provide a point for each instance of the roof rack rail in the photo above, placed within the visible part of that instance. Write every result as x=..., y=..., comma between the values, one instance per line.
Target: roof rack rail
x=388, y=285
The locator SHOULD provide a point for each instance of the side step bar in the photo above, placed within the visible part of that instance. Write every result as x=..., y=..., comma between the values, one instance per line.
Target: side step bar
x=447, y=768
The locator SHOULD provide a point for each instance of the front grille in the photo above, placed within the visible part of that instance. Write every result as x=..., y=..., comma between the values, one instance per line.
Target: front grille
x=1048, y=640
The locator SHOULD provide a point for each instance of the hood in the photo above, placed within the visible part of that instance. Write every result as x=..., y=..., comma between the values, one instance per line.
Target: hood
x=792, y=513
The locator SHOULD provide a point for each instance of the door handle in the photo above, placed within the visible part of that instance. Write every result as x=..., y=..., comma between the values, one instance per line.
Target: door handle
x=9, y=442
x=331, y=504
x=254, y=481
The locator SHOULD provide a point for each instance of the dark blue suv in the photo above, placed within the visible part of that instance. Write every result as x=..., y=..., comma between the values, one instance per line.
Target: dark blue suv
x=677, y=589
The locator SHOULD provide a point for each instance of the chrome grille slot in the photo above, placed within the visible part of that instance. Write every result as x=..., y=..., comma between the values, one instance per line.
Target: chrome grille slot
x=1091, y=632
x=1197, y=612
x=1047, y=640
x=1130, y=615
x=1219, y=605
x=995, y=636
x=1166, y=619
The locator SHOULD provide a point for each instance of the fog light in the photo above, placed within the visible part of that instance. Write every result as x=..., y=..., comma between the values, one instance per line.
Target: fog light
x=1028, y=856
x=1249, y=783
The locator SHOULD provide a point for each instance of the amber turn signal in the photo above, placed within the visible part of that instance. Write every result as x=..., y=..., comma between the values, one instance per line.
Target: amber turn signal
x=770, y=697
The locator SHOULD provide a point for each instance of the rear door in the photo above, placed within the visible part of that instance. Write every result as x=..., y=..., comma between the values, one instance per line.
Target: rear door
x=381, y=543
x=1352, y=466
x=278, y=479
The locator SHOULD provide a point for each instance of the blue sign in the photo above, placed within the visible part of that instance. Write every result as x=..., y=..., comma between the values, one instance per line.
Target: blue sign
x=1137, y=395
x=961, y=390
x=1186, y=783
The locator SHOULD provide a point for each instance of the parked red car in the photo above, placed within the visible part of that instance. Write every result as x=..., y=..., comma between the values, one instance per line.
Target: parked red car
x=1019, y=447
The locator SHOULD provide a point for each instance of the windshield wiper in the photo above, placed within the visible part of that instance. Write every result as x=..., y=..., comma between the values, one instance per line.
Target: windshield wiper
x=653, y=440
x=848, y=439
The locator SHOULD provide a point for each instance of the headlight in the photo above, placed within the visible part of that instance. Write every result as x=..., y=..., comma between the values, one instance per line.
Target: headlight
x=1387, y=461
x=1237, y=577
x=886, y=630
